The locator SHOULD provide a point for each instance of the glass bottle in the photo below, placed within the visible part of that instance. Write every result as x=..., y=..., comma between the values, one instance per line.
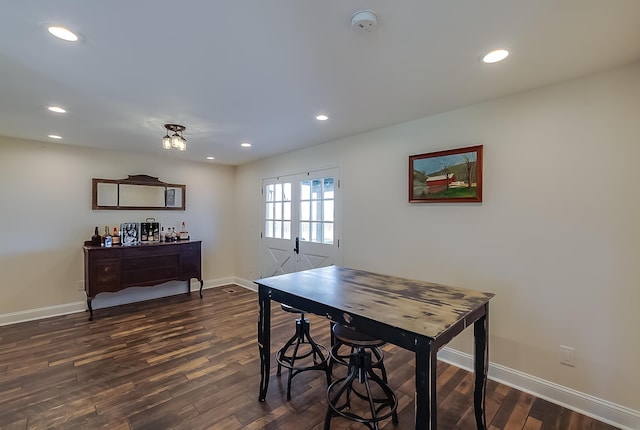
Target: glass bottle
x=96, y=239
x=106, y=233
x=115, y=238
x=184, y=234
x=108, y=239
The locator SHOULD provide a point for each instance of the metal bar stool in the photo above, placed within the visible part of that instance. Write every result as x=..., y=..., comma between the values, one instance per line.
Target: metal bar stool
x=375, y=404
x=301, y=352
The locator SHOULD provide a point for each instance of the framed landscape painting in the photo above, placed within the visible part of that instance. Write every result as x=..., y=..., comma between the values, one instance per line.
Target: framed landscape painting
x=454, y=175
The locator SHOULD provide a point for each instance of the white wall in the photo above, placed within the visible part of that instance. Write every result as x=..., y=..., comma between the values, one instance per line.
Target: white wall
x=557, y=238
x=46, y=216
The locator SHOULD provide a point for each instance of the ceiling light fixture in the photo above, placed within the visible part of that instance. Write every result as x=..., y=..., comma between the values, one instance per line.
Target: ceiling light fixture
x=245, y=145
x=56, y=109
x=176, y=140
x=495, y=56
x=322, y=117
x=63, y=33
x=55, y=136
x=211, y=158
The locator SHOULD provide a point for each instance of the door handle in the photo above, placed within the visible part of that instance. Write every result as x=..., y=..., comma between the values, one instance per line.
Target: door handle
x=297, y=248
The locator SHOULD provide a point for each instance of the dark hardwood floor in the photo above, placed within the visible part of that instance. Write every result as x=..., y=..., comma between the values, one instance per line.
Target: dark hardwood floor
x=186, y=363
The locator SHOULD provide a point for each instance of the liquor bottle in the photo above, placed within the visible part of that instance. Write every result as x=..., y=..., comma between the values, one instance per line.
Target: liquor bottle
x=162, y=237
x=143, y=232
x=108, y=239
x=184, y=234
x=115, y=239
x=106, y=233
x=96, y=239
x=174, y=236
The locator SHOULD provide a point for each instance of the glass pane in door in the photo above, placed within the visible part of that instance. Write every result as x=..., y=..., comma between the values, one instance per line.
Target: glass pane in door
x=317, y=210
x=277, y=222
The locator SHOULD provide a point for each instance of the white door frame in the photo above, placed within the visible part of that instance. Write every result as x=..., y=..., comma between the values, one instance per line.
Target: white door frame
x=279, y=256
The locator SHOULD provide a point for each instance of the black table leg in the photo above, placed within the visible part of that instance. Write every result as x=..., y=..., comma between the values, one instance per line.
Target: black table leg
x=425, y=386
x=264, y=339
x=481, y=365
x=433, y=386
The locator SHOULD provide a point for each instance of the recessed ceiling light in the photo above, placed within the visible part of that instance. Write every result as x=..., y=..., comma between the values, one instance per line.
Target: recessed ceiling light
x=495, y=56
x=56, y=109
x=55, y=136
x=245, y=145
x=63, y=33
x=211, y=158
x=322, y=117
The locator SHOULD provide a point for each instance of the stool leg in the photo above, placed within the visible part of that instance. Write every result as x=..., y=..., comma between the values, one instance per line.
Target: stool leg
x=327, y=419
x=363, y=371
x=372, y=406
x=379, y=358
x=346, y=386
x=318, y=356
x=383, y=371
x=334, y=353
x=284, y=348
x=387, y=391
x=300, y=333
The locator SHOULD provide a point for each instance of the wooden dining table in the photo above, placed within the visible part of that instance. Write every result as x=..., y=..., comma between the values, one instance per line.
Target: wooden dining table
x=416, y=315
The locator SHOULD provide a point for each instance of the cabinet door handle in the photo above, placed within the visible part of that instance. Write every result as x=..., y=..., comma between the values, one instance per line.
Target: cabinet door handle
x=297, y=248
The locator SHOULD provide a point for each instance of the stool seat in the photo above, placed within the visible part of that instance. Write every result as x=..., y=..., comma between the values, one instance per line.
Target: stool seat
x=350, y=337
x=345, y=336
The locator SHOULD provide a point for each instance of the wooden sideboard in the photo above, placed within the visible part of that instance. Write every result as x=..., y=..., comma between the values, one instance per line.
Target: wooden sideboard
x=119, y=267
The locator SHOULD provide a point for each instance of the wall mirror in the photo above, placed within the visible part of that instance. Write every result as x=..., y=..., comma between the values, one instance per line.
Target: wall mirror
x=137, y=192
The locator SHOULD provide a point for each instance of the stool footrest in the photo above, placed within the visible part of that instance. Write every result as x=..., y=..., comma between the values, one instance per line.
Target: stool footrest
x=320, y=359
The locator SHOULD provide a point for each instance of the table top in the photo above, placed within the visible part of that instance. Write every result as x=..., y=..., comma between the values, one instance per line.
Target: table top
x=424, y=308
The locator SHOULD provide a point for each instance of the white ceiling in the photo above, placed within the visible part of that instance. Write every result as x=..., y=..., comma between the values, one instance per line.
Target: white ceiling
x=261, y=70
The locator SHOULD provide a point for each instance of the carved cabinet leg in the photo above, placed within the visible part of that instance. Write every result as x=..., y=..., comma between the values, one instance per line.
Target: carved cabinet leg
x=89, y=300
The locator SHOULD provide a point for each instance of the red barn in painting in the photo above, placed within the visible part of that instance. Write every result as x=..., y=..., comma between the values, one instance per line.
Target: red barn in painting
x=435, y=184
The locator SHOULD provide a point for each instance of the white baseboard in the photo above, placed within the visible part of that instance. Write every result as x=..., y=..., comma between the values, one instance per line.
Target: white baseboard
x=129, y=295
x=249, y=285
x=213, y=283
x=602, y=410
x=40, y=313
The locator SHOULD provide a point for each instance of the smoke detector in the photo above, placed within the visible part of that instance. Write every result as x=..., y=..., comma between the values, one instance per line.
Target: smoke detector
x=364, y=21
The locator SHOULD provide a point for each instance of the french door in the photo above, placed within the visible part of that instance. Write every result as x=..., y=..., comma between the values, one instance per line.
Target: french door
x=300, y=224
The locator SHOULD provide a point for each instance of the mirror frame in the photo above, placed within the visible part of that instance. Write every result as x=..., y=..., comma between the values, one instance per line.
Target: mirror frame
x=145, y=180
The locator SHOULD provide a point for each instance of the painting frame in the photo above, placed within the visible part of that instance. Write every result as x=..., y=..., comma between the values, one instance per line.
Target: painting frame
x=448, y=176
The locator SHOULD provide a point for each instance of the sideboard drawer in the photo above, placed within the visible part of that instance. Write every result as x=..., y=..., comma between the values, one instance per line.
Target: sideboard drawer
x=151, y=262
x=150, y=275
x=106, y=276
